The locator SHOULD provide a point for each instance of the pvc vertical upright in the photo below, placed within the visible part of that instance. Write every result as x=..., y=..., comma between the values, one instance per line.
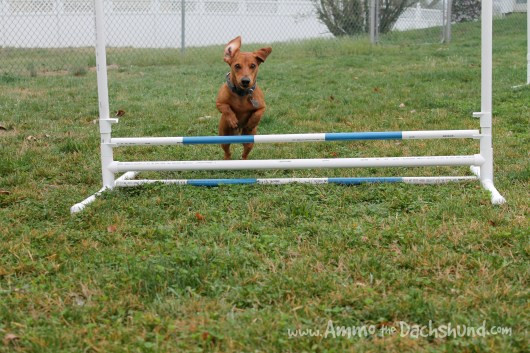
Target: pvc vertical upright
x=105, y=122
x=485, y=171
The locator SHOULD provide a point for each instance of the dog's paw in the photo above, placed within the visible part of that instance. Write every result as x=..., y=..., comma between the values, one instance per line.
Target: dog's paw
x=233, y=123
x=250, y=127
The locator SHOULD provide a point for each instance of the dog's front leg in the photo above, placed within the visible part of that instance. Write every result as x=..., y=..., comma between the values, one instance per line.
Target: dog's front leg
x=228, y=116
x=228, y=125
x=254, y=119
x=251, y=128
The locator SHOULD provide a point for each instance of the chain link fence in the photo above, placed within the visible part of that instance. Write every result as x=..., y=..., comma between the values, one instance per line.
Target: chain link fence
x=40, y=37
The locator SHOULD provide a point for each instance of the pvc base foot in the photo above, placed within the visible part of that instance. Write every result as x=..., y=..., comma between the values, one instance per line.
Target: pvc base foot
x=496, y=197
x=78, y=207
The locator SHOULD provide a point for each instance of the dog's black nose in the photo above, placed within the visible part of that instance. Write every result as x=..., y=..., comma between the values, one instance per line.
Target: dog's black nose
x=245, y=81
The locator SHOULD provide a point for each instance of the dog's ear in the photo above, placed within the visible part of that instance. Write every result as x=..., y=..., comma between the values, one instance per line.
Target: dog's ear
x=262, y=54
x=231, y=49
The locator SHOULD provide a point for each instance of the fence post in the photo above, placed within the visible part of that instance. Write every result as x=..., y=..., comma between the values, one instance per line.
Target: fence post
x=58, y=12
x=373, y=21
x=377, y=17
x=3, y=26
x=444, y=12
x=528, y=42
x=183, y=26
x=154, y=11
x=447, y=25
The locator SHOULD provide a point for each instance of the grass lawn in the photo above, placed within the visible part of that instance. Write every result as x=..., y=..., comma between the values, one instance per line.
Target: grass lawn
x=234, y=268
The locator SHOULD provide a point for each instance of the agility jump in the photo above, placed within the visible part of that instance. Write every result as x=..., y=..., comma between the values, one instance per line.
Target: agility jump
x=481, y=164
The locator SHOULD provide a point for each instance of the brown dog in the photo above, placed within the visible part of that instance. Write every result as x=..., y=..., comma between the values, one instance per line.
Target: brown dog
x=240, y=100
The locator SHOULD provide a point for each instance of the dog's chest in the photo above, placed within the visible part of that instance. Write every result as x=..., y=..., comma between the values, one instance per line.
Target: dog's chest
x=243, y=105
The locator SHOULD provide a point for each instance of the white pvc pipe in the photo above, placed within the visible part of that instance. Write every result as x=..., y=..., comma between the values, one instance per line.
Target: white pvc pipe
x=298, y=163
x=486, y=120
x=528, y=42
x=81, y=205
x=486, y=89
x=105, y=122
x=282, y=181
x=290, y=138
x=440, y=134
x=141, y=141
x=496, y=197
x=272, y=181
x=316, y=137
x=437, y=180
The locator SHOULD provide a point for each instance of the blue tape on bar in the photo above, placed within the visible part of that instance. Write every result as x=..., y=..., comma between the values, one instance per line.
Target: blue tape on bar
x=205, y=140
x=217, y=182
x=348, y=136
x=357, y=181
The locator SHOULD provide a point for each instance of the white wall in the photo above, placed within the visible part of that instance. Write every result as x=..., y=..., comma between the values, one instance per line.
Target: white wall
x=416, y=17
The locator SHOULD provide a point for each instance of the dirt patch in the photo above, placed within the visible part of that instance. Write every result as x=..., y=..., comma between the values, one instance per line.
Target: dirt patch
x=24, y=92
x=53, y=73
x=109, y=67
x=4, y=131
x=48, y=73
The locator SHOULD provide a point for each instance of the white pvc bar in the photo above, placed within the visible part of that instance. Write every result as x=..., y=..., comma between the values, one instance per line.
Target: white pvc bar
x=440, y=134
x=145, y=141
x=290, y=138
x=437, y=180
x=272, y=181
x=315, y=137
x=283, y=181
x=475, y=160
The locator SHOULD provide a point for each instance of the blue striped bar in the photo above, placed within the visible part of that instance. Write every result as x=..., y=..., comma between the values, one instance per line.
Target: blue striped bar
x=217, y=182
x=357, y=181
x=330, y=136
x=205, y=140
x=349, y=136
x=343, y=181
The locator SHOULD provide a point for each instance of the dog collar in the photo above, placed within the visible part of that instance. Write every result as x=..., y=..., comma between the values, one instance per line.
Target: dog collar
x=237, y=90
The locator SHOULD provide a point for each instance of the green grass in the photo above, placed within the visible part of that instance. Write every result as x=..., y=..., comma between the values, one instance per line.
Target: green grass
x=139, y=271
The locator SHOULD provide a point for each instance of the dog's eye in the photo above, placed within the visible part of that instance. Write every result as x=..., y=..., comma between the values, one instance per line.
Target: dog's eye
x=237, y=66
x=253, y=66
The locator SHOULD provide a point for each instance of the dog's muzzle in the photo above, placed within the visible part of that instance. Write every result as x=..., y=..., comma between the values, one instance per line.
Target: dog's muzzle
x=245, y=82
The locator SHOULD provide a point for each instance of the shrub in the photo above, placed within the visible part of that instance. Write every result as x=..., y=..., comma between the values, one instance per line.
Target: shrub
x=465, y=10
x=351, y=17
